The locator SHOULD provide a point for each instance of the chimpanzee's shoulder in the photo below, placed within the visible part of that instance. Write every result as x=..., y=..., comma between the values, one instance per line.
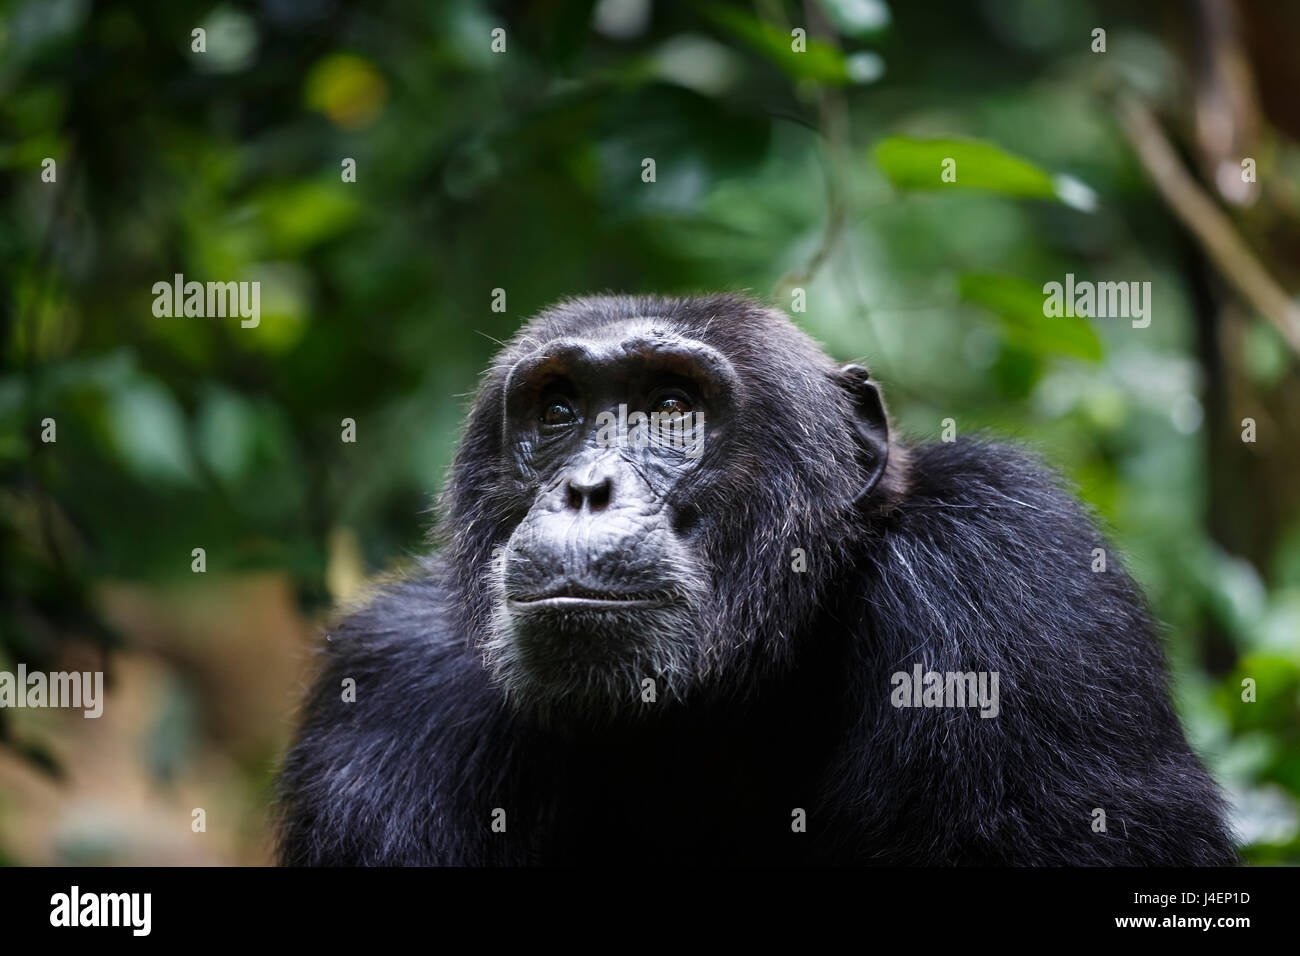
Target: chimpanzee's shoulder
x=397, y=688
x=404, y=637
x=976, y=465
x=985, y=487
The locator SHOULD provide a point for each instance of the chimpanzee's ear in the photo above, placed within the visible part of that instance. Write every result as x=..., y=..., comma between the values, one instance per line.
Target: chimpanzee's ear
x=870, y=424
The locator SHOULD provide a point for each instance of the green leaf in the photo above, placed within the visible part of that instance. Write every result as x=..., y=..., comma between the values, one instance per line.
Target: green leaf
x=148, y=430
x=819, y=61
x=1019, y=307
x=300, y=215
x=920, y=164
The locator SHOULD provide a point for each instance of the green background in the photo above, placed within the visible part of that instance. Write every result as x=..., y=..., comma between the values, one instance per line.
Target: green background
x=522, y=171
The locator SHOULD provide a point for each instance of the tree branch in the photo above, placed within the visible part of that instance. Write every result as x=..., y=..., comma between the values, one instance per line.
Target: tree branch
x=1207, y=222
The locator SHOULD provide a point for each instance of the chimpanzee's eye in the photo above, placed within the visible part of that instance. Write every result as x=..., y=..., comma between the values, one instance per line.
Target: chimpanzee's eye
x=671, y=404
x=557, y=412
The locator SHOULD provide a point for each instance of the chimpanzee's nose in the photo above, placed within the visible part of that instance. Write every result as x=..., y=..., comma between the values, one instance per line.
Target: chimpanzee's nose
x=591, y=485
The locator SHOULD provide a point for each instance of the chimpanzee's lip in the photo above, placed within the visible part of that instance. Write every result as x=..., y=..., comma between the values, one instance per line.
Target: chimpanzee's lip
x=577, y=597
x=564, y=603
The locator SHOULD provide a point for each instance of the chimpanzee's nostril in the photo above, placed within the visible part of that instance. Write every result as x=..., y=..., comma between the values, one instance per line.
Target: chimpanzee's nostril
x=593, y=489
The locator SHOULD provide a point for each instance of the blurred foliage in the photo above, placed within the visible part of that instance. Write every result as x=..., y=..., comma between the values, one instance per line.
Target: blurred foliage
x=521, y=171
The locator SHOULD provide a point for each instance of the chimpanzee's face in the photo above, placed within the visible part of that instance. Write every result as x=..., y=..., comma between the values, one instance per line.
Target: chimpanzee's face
x=600, y=585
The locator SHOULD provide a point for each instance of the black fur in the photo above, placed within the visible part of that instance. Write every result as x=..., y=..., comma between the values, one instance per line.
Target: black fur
x=970, y=557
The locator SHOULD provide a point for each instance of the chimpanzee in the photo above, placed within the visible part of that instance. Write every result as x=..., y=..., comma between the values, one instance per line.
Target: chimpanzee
x=690, y=601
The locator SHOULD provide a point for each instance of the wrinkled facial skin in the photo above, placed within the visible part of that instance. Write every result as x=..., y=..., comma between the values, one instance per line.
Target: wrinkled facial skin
x=599, y=587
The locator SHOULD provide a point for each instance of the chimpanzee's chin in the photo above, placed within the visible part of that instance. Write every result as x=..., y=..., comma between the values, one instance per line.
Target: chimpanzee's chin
x=592, y=660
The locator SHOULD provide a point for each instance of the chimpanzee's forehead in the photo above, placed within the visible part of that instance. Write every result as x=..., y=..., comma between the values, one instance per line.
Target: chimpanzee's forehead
x=652, y=327
x=611, y=315
x=622, y=347
x=609, y=334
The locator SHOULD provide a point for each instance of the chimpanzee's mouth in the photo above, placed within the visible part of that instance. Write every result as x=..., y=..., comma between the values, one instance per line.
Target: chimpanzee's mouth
x=572, y=596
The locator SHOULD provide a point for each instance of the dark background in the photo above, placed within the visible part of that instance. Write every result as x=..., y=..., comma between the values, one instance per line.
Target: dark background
x=521, y=171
